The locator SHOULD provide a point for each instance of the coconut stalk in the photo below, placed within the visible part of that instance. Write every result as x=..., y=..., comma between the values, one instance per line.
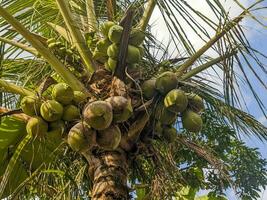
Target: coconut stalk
x=210, y=43
x=12, y=88
x=108, y=171
x=58, y=66
x=76, y=35
x=20, y=45
x=91, y=17
x=147, y=14
x=205, y=66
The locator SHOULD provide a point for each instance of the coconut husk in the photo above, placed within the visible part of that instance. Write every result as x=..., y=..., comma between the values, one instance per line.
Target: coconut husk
x=109, y=138
x=113, y=51
x=98, y=114
x=115, y=33
x=163, y=115
x=192, y=121
x=104, y=27
x=79, y=97
x=133, y=55
x=176, y=101
x=51, y=110
x=62, y=93
x=71, y=113
x=30, y=105
x=81, y=137
x=136, y=37
x=149, y=88
x=166, y=82
x=195, y=102
x=169, y=134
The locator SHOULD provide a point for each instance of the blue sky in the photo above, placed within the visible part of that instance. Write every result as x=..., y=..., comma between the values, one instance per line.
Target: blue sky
x=257, y=36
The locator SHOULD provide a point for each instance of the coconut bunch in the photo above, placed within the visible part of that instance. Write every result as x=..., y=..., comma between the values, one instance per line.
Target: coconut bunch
x=52, y=114
x=173, y=102
x=107, y=48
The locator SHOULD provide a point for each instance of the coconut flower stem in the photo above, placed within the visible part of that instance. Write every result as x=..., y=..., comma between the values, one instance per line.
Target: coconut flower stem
x=12, y=88
x=91, y=17
x=211, y=42
x=147, y=14
x=58, y=66
x=20, y=45
x=201, y=68
x=76, y=35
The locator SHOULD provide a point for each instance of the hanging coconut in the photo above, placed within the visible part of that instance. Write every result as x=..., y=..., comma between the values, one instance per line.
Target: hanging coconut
x=195, y=102
x=30, y=105
x=169, y=134
x=102, y=45
x=163, y=115
x=98, y=115
x=192, y=121
x=81, y=137
x=109, y=138
x=113, y=51
x=99, y=56
x=136, y=37
x=62, y=93
x=149, y=88
x=79, y=97
x=122, y=108
x=115, y=33
x=111, y=64
x=166, y=82
x=176, y=101
x=133, y=55
x=118, y=103
x=104, y=28
x=51, y=110
x=36, y=126
x=71, y=113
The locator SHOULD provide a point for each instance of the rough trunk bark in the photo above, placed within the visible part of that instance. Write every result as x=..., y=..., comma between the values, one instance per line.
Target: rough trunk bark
x=109, y=171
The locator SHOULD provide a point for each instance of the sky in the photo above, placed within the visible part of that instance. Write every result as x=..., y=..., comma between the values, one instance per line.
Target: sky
x=256, y=34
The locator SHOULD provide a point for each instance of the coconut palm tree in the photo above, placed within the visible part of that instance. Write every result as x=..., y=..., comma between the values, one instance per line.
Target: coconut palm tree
x=95, y=107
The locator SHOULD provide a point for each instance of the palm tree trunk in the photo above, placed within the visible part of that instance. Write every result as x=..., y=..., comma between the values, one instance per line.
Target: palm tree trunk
x=109, y=172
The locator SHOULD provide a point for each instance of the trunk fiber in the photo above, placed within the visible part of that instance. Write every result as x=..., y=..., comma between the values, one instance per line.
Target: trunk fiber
x=109, y=171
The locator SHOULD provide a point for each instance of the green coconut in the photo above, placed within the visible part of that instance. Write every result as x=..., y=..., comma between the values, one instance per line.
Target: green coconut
x=122, y=108
x=79, y=97
x=176, y=101
x=98, y=115
x=169, y=134
x=111, y=64
x=113, y=51
x=115, y=33
x=166, y=82
x=104, y=28
x=30, y=105
x=51, y=110
x=192, y=121
x=149, y=88
x=99, y=56
x=195, y=102
x=81, y=137
x=36, y=126
x=133, y=55
x=109, y=138
x=163, y=115
x=62, y=93
x=137, y=37
x=102, y=45
x=70, y=113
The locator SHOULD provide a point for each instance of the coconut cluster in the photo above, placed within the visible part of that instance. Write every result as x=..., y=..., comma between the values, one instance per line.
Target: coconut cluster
x=174, y=103
x=99, y=124
x=52, y=115
x=107, y=47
